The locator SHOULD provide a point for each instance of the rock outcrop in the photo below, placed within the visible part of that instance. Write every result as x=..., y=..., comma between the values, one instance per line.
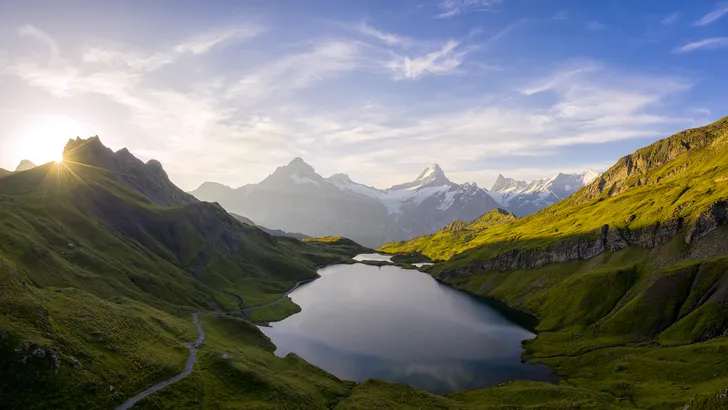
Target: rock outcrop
x=606, y=239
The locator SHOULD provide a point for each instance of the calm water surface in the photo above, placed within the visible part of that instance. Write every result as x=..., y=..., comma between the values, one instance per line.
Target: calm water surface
x=360, y=322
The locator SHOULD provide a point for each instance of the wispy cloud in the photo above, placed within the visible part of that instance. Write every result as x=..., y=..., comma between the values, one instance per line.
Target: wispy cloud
x=707, y=44
x=670, y=19
x=205, y=42
x=452, y=8
x=231, y=127
x=195, y=46
x=296, y=71
x=387, y=38
x=445, y=60
x=34, y=32
x=713, y=16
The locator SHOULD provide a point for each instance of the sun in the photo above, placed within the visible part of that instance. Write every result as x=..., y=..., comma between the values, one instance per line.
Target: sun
x=43, y=138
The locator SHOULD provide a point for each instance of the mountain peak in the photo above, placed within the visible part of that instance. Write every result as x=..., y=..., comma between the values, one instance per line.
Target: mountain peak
x=432, y=175
x=299, y=165
x=25, y=165
x=340, y=177
x=503, y=183
x=149, y=179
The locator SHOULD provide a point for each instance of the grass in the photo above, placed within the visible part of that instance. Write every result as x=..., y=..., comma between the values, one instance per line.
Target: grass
x=666, y=190
x=253, y=377
x=99, y=282
x=95, y=272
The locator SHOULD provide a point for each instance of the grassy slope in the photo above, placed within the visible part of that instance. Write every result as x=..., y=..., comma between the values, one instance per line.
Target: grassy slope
x=684, y=187
x=94, y=273
x=645, y=326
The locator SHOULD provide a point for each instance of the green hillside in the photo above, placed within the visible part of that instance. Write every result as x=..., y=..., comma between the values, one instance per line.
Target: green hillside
x=670, y=187
x=628, y=277
x=103, y=261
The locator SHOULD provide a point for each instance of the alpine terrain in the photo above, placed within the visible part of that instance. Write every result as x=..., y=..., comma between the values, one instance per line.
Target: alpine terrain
x=524, y=198
x=628, y=277
x=297, y=199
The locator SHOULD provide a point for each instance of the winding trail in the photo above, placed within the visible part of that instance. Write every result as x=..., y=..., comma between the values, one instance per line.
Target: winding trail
x=188, y=369
x=192, y=359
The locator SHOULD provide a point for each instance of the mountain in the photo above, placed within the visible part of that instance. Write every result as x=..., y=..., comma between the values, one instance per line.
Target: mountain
x=25, y=165
x=627, y=277
x=296, y=198
x=102, y=262
x=525, y=198
x=274, y=232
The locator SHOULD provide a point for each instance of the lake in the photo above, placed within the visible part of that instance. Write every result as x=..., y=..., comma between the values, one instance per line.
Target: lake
x=360, y=322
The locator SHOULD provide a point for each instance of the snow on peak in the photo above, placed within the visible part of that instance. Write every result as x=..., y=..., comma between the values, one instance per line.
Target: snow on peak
x=299, y=179
x=431, y=176
x=589, y=176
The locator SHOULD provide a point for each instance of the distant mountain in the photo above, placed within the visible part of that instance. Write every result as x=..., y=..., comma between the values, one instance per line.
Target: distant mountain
x=295, y=198
x=525, y=198
x=274, y=232
x=25, y=165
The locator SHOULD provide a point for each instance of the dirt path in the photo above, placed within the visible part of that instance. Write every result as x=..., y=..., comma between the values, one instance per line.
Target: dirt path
x=188, y=369
x=192, y=359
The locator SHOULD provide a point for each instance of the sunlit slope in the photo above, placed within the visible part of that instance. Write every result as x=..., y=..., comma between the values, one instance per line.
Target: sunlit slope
x=627, y=277
x=103, y=261
x=678, y=185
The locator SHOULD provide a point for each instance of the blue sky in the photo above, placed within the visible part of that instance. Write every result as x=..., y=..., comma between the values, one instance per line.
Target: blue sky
x=229, y=90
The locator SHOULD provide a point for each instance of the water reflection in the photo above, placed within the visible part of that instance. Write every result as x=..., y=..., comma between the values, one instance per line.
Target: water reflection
x=360, y=322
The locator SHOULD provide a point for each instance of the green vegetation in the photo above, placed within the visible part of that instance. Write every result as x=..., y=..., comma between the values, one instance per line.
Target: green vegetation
x=103, y=261
x=635, y=312
x=343, y=246
x=675, y=179
x=252, y=376
x=410, y=258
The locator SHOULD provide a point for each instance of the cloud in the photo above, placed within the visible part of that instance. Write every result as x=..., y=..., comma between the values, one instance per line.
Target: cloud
x=671, y=19
x=452, y=8
x=195, y=46
x=446, y=60
x=713, y=16
x=707, y=44
x=43, y=37
x=297, y=71
x=205, y=42
x=387, y=38
x=235, y=127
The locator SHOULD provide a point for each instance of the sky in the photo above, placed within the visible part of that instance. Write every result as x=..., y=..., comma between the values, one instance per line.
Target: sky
x=227, y=91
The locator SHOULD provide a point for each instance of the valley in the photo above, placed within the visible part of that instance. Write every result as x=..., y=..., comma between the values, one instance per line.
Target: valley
x=363, y=205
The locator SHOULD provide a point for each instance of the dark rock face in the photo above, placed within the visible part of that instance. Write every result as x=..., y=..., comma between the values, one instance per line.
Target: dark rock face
x=607, y=239
x=41, y=356
x=708, y=221
x=630, y=170
x=149, y=179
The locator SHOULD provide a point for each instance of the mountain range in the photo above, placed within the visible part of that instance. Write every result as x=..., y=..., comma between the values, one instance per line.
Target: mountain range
x=104, y=262
x=525, y=198
x=296, y=198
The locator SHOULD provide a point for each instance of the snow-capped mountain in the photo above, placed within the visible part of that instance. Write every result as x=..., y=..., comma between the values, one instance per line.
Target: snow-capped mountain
x=524, y=198
x=296, y=198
